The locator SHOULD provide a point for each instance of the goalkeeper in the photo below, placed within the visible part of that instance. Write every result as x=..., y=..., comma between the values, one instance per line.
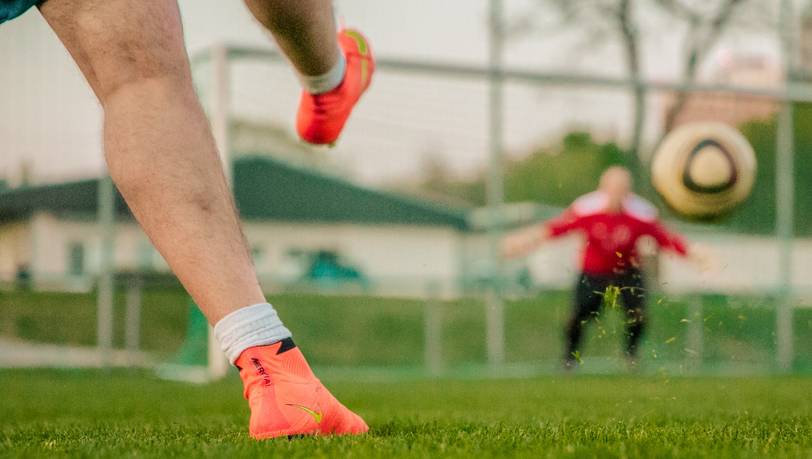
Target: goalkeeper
x=612, y=220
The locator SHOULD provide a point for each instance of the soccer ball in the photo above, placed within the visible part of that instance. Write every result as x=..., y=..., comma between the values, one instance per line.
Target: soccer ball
x=703, y=170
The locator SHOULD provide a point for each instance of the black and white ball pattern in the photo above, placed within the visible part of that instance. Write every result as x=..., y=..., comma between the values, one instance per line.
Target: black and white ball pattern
x=703, y=170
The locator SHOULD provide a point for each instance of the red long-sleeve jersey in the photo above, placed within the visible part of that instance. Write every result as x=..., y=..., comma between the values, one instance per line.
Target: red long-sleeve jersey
x=611, y=238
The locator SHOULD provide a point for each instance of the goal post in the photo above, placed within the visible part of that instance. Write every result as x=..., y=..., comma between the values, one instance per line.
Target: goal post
x=220, y=61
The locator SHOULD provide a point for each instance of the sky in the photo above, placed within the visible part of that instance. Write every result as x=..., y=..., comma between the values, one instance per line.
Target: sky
x=50, y=120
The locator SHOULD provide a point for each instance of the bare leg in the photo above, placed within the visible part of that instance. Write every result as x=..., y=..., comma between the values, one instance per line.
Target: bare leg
x=158, y=143
x=304, y=29
x=162, y=156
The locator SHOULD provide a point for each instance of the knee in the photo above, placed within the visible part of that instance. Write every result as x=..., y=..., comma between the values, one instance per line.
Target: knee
x=122, y=54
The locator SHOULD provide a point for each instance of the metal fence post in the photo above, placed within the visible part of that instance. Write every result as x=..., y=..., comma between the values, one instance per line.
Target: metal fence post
x=495, y=326
x=494, y=312
x=785, y=194
x=433, y=330
x=106, y=215
x=695, y=334
x=132, y=334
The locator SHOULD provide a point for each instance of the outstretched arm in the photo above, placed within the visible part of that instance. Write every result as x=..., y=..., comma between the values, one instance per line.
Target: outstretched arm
x=524, y=241
x=698, y=255
x=666, y=239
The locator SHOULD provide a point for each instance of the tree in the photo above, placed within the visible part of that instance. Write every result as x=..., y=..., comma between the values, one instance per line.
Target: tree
x=602, y=18
x=758, y=213
x=434, y=172
x=552, y=174
x=620, y=22
x=559, y=173
x=439, y=183
x=706, y=22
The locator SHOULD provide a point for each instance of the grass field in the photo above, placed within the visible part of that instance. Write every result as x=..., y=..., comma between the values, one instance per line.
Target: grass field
x=131, y=413
x=47, y=413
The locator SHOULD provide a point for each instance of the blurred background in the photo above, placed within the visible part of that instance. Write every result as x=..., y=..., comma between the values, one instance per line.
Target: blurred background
x=484, y=116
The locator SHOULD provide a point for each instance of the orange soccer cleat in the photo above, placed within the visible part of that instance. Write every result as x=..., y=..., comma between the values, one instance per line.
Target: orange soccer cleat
x=287, y=399
x=321, y=117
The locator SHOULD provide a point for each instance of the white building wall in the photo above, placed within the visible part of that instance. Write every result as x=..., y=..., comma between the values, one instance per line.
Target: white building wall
x=51, y=238
x=15, y=249
x=397, y=254
x=407, y=257
x=740, y=263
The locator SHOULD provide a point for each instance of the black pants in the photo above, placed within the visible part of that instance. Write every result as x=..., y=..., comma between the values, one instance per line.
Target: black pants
x=593, y=291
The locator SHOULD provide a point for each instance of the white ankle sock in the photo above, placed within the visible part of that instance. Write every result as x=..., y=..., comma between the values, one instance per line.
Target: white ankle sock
x=256, y=325
x=326, y=82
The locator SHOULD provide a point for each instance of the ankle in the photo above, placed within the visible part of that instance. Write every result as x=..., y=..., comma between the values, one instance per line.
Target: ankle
x=325, y=82
x=251, y=326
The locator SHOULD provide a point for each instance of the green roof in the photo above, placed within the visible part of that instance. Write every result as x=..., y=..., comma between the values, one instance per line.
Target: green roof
x=265, y=189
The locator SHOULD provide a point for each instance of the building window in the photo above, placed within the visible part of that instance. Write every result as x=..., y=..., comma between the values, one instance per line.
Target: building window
x=257, y=254
x=76, y=259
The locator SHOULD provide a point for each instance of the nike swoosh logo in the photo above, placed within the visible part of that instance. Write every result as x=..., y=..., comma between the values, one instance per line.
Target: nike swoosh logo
x=314, y=414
